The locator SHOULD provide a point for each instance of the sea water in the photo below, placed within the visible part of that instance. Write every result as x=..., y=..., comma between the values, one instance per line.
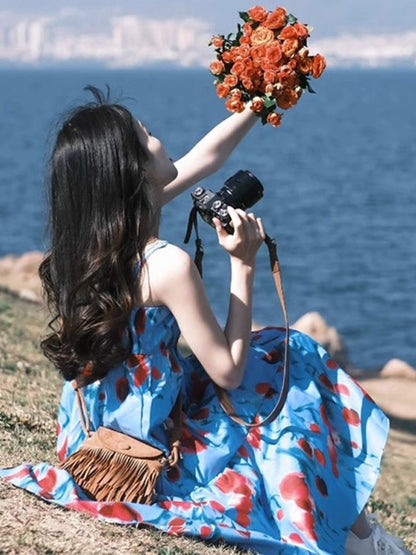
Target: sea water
x=339, y=179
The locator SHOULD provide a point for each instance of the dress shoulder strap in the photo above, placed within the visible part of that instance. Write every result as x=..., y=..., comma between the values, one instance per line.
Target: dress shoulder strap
x=148, y=251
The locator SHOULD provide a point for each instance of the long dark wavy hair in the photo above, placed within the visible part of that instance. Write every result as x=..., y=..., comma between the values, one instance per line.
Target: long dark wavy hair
x=102, y=213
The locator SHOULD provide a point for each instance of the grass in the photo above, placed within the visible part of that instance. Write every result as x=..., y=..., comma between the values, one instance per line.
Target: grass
x=29, y=394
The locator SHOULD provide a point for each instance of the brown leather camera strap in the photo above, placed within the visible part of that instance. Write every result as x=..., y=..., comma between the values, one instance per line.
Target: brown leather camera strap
x=222, y=394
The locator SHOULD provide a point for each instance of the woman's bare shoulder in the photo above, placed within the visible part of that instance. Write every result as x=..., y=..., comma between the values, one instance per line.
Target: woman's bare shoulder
x=167, y=269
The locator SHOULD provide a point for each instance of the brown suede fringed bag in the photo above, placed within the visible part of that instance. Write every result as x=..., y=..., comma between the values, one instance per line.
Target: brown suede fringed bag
x=111, y=466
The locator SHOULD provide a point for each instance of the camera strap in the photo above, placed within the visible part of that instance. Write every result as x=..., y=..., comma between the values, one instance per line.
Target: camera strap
x=199, y=252
x=221, y=393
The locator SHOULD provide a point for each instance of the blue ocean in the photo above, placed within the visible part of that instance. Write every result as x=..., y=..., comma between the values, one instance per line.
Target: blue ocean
x=339, y=179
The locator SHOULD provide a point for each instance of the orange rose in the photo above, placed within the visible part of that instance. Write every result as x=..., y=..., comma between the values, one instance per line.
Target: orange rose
x=217, y=41
x=226, y=57
x=244, y=50
x=248, y=84
x=261, y=35
x=234, y=53
x=238, y=68
x=276, y=19
x=258, y=13
x=269, y=88
x=234, y=104
x=288, y=32
x=288, y=77
x=257, y=52
x=274, y=119
x=289, y=47
x=257, y=104
x=318, y=66
x=270, y=76
x=247, y=29
x=222, y=90
x=231, y=80
x=245, y=40
x=216, y=67
x=274, y=52
x=302, y=30
x=304, y=64
x=287, y=99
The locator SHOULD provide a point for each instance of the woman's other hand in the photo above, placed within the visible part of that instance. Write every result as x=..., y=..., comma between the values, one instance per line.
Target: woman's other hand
x=247, y=238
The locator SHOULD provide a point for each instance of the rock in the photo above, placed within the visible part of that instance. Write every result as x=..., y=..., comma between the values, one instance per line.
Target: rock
x=314, y=325
x=19, y=274
x=396, y=368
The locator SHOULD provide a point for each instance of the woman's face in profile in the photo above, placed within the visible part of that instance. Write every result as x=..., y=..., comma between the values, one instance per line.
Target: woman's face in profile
x=160, y=169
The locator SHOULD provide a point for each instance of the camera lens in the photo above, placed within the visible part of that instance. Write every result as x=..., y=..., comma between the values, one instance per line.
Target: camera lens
x=242, y=190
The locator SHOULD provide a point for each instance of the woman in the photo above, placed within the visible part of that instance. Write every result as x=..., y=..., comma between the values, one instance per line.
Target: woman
x=120, y=297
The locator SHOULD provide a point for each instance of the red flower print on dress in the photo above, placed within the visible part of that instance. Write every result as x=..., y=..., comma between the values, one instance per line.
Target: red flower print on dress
x=217, y=506
x=320, y=457
x=142, y=370
x=315, y=428
x=174, y=364
x=321, y=485
x=305, y=522
x=272, y=356
x=295, y=538
x=264, y=389
x=205, y=532
x=332, y=364
x=119, y=511
x=190, y=443
x=294, y=487
x=254, y=435
x=201, y=414
x=231, y=481
x=323, y=378
x=351, y=416
x=63, y=449
x=49, y=481
x=280, y=514
x=342, y=389
x=176, y=526
x=140, y=321
x=333, y=456
x=306, y=448
x=89, y=507
x=22, y=473
x=242, y=451
x=122, y=388
x=156, y=373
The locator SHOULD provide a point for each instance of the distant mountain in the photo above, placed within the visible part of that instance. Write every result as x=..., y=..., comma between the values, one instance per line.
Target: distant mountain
x=122, y=41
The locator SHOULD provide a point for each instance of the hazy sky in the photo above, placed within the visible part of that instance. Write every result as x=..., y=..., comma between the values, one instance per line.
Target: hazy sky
x=328, y=17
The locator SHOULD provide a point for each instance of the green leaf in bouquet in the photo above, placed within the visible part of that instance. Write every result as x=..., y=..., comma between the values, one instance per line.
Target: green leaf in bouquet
x=291, y=19
x=244, y=16
x=269, y=102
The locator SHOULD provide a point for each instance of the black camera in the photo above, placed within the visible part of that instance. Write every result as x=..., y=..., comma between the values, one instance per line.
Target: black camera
x=241, y=190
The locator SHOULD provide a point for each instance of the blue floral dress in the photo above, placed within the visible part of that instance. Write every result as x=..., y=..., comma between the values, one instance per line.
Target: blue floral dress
x=293, y=486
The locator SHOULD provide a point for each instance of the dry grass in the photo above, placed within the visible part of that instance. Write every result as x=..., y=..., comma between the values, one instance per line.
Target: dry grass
x=29, y=395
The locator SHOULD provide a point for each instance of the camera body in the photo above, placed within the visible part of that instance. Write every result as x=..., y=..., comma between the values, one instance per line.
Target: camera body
x=241, y=190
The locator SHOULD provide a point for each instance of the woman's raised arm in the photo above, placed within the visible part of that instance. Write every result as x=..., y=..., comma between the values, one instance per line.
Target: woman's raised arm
x=210, y=153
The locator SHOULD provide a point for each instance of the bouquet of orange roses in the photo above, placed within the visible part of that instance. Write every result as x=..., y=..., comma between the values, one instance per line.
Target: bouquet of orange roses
x=267, y=61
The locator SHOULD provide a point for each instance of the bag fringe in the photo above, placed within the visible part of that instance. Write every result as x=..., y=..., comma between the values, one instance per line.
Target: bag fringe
x=109, y=476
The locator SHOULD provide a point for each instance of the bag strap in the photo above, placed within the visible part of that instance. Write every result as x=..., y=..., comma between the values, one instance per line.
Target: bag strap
x=222, y=394
x=174, y=433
